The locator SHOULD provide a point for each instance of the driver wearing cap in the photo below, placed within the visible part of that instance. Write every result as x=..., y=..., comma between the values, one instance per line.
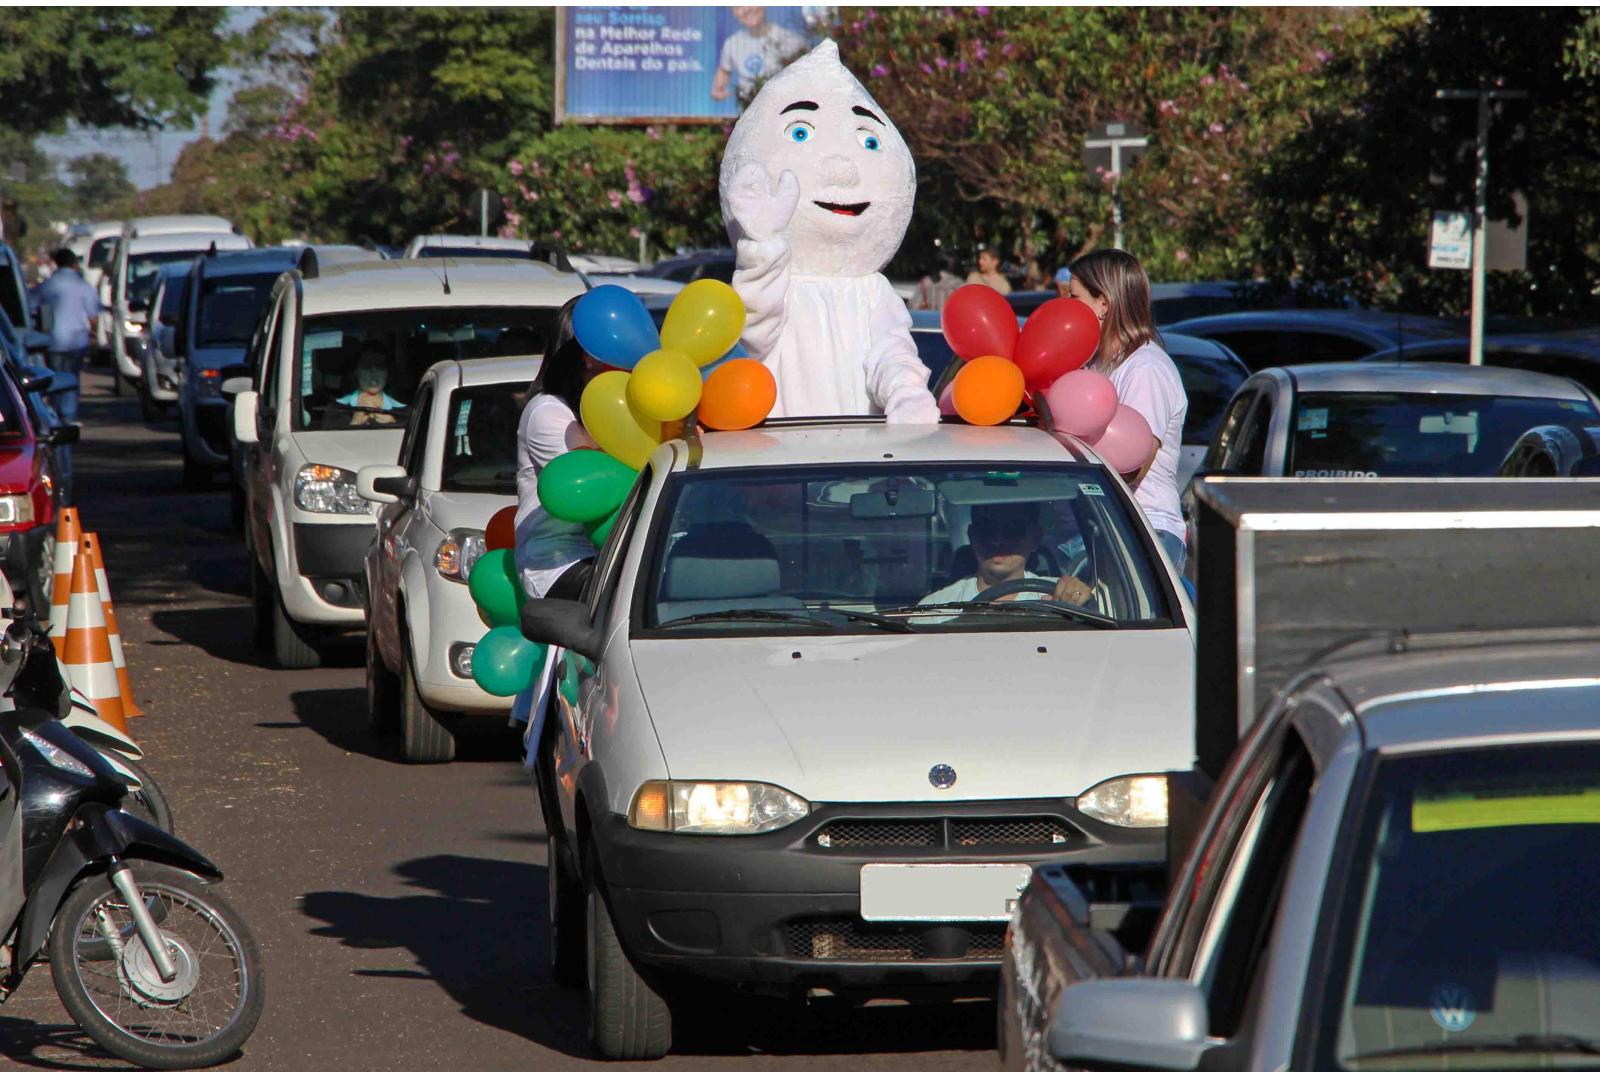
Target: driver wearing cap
x=1003, y=536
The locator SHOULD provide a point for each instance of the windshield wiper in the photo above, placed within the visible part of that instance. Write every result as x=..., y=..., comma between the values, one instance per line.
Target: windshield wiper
x=876, y=620
x=1008, y=607
x=746, y=615
x=1531, y=1043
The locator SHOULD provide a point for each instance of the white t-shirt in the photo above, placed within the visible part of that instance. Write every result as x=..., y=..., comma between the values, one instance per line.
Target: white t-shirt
x=749, y=58
x=546, y=546
x=1148, y=382
x=967, y=588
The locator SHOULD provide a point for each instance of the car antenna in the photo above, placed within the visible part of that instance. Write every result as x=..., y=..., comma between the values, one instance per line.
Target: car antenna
x=445, y=266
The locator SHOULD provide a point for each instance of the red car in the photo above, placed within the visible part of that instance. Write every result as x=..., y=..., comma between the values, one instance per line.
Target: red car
x=27, y=494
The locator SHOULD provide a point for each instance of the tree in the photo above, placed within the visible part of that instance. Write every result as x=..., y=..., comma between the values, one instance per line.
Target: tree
x=98, y=181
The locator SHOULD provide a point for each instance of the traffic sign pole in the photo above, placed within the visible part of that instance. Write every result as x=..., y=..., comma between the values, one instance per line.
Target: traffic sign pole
x=1115, y=138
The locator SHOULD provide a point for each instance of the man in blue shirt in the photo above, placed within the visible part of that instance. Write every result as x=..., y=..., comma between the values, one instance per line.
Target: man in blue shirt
x=74, y=304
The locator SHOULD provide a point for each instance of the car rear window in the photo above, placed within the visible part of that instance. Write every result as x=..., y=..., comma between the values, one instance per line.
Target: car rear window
x=1209, y=382
x=229, y=309
x=480, y=439
x=1354, y=435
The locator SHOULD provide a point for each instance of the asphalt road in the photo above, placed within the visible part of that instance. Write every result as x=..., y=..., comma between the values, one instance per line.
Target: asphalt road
x=400, y=909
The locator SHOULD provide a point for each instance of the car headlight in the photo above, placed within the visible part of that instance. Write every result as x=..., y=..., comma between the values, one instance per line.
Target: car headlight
x=714, y=807
x=57, y=756
x=457, y=552
x=1134, y=802
x=16, y=510
x=327, y=489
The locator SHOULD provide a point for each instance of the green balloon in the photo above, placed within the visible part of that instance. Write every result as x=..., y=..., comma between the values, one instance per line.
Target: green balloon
x=584, y=485
x=504, y=662
x=496, y=589
x=600, y=532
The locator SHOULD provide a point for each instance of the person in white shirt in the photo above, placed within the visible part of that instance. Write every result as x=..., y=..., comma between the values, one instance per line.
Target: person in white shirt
x=759, y=51
x=1004, y=536
x=1130, y=354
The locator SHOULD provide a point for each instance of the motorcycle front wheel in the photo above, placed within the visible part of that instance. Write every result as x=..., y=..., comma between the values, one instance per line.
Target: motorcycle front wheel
x=200, y=1017
x=147, y=800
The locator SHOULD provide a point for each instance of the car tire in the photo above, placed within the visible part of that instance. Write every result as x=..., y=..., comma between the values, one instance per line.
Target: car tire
x=294, y=646
x=628, y=1021
x=423, y=740
x=383, y=708
x=567, y=919
x=116, y=376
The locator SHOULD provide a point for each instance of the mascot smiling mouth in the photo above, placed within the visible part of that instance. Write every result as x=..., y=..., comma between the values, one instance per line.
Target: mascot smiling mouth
x=847, y=209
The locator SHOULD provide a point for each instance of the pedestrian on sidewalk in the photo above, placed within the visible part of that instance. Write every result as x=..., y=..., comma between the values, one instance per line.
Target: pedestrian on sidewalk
x=988, y=272
x=74, y=305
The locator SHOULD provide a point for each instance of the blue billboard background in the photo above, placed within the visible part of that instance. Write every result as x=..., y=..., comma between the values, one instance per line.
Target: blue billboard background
x=625, y=64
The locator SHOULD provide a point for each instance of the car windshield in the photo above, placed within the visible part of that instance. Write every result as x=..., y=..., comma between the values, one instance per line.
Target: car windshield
x=480, y=447
x=1415, y=434
x=1469, y=939
x=229, y=309
x=909, y=548
x=361, y=369
x=1209, y=383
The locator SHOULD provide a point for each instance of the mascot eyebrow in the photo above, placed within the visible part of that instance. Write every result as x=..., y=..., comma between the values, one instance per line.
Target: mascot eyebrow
x=868, y=113
x=808, y=106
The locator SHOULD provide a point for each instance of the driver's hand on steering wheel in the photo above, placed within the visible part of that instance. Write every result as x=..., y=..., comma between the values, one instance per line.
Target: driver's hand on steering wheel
x=1072, y=591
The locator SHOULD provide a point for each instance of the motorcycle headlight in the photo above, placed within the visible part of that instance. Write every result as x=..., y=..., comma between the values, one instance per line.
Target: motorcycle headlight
x=1134, y=802
x=457, y=553
x=57, y=756
x=327, y=489
x=714, y=807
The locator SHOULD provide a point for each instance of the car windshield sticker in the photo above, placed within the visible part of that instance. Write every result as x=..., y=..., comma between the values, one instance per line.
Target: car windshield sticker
x=1312, y=420
x=1497, y=810
x=1091, y=489
x=1450, y=1005
x=462, y=447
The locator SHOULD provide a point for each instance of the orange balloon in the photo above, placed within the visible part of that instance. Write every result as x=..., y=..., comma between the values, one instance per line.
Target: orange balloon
x=988, y=390
x=501, y=531
x=739, y=394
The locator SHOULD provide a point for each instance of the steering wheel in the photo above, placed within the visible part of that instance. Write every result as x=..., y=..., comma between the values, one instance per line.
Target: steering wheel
x=1016, y=585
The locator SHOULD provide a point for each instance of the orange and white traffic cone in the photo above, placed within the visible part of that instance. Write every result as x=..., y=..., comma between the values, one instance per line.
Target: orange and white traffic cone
x=68, y=532
x=130, y=707
x=87, y=652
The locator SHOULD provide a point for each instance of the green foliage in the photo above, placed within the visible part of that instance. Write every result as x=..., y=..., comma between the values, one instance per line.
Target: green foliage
x=98, y=182
x=33, y=197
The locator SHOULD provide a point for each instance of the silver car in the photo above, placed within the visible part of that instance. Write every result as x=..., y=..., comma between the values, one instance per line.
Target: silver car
x=1394, y=872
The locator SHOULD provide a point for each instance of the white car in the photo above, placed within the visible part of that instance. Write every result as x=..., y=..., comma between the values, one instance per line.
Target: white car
x=144, y=244
x=458, y=468
x=462, y=246
x=794, y=745
x=308, y=431
x=96, y=248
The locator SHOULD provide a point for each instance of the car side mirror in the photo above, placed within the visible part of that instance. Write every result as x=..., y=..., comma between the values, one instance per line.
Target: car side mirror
x=244, y=418
x=65, y=435
x=384, y=483
x=35, y=380
x=1137, y=1023
x=235, y=386
x=564, y=623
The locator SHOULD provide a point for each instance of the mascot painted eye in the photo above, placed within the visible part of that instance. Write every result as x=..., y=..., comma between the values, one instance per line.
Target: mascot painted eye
x=869, y=139
x=799, y=131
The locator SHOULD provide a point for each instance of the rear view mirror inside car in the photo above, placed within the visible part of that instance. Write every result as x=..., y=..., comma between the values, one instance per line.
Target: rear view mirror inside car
x=906, y=502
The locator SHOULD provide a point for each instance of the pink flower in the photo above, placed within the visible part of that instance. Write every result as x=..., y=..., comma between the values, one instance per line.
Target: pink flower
x=980, y=53
x=556, y=234
x=1323, y=56
x=962, y=67
x=634, y=232
x=653, y=132
x=1207, y=81
x=451, y=158
x=1009, y=51
x=522, y=189
x=1168, y=108
x=1216, y=127
x=616, y=199
x=516, y=168
x=926, y=70
x=537, y=170
x=879, y=71
x=1181, y=255
x=513, y=218
x=941, y=62
x=1225, y=177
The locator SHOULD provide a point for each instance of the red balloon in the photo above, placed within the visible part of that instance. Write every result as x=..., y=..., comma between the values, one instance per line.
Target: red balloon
x=501, y=531
x=977, y=321
x=1057, y=338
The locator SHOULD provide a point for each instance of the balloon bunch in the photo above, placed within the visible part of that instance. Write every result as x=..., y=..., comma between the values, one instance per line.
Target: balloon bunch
x=1043, y=360
x=503, y=661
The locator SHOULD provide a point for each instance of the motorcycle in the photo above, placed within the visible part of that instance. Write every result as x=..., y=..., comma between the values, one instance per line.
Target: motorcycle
x=151, y=964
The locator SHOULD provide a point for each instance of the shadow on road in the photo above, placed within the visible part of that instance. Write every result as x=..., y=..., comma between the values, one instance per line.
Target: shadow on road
x=53, y=1046
x=476, y=928
x=223, y=632
x=340, y=716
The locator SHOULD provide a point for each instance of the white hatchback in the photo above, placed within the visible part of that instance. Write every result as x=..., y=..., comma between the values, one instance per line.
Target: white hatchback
x=836, y=687
x=336, y=363
x=457, y=469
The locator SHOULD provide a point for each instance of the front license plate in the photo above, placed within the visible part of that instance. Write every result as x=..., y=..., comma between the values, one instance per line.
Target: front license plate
x=941, y=892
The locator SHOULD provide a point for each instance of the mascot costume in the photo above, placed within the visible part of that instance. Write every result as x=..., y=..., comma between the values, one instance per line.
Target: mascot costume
x=817, y=187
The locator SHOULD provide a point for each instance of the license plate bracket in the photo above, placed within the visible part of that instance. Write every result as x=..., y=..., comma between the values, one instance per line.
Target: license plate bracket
x=941, y=892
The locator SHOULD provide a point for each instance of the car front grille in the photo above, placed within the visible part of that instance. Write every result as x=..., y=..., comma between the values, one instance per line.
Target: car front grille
x=954, y=833
x=857, y=940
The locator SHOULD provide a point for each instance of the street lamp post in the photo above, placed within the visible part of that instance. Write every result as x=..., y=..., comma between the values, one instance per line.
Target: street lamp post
x=1480, y=203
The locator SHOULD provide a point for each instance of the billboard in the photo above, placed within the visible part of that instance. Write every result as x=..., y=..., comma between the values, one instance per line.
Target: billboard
x=635, y=65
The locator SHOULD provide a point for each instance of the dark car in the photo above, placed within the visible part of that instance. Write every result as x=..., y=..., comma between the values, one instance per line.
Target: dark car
x=716, y=264
x=1264, y=339
x=1574, y=354
x=1170, y=301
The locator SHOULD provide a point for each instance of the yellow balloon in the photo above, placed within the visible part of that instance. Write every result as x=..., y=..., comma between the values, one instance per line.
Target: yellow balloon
x=704, y=321
x=615, y=427
x=664, y=385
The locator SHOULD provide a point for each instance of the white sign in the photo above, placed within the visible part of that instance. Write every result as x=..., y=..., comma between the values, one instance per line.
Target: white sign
x=1450, y=242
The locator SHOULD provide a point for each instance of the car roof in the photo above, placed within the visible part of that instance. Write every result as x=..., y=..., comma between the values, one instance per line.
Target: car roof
x=176, y=223
x=488, y=370
x=268, y=260
x=1572, y=344
x=186, y=241
x=1418, y=377
x=1376, y=325
x=402, y=283
x=864, y=440
x=1416, y=691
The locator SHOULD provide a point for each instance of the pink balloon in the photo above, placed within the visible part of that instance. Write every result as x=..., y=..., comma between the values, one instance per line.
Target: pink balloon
x=947, y=399
x=1127, y=441
x=1082, y=403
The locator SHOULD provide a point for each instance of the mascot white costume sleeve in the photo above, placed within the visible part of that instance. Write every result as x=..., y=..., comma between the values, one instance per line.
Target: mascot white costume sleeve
x=817, y=188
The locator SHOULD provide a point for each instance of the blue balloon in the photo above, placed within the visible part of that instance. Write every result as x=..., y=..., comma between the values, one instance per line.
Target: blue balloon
x=732, y=354
x=613, y=326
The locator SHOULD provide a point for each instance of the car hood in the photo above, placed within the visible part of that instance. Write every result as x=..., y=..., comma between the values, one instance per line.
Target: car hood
x=864, y=718
x=463, y=510
x=350, y=449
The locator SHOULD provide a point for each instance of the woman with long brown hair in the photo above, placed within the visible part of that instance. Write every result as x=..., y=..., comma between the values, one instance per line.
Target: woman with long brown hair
x=1130, y=354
